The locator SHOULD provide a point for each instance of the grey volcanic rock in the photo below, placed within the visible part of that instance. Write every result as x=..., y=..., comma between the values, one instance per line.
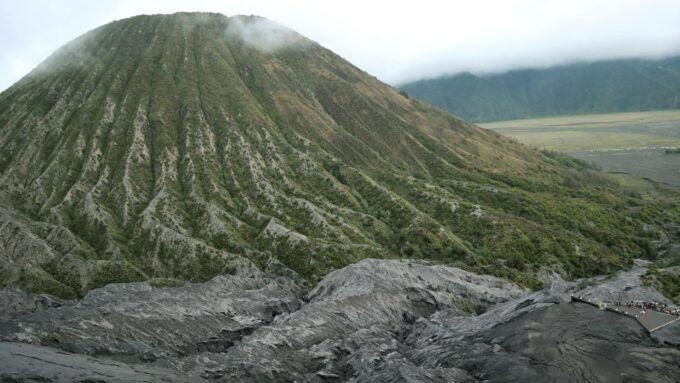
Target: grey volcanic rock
x=571, y=342
x=31, y=363
x=374, y=321
x=352, y=326
x=669, y=334
x=371, y=276
x=14, y=302
x=140, y=323
x=625, y=286
x=542, y=338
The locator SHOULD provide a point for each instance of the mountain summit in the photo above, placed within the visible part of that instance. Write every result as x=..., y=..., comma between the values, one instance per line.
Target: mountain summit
x=178, y=147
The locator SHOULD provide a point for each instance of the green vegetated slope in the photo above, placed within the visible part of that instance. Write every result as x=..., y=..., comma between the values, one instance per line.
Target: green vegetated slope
x=664, y=274
x=176, y=146
x=597, y=87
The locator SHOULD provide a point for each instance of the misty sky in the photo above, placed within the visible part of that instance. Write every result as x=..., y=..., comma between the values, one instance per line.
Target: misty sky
x=395, y=41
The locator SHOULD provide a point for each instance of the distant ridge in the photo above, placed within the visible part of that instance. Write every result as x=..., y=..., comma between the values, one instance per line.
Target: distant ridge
x=597, y=87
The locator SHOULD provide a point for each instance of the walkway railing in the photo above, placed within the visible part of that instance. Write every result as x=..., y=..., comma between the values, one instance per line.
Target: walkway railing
x=650, y=320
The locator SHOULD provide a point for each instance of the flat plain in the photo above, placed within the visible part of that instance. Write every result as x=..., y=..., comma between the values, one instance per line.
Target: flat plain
x=636, y=130
x=632, y=143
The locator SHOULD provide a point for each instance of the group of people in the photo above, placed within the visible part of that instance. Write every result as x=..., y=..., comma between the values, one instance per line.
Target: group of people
x=656, y=306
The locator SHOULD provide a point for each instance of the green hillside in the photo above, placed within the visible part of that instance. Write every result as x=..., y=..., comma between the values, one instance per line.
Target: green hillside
x=598, y=87
x=180, y=146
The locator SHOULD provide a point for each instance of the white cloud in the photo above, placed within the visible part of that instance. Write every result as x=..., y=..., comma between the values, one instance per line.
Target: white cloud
x=18, y=66
x=396, y=41
x=264, y=34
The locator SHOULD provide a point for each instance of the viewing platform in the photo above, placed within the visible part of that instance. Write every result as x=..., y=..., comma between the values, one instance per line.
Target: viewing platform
x=650, y=319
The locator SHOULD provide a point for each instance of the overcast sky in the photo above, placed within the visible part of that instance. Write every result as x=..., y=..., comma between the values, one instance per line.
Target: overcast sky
x=395, y=41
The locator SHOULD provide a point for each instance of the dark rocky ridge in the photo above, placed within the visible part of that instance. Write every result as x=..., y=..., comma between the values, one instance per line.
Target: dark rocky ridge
x=373, y=321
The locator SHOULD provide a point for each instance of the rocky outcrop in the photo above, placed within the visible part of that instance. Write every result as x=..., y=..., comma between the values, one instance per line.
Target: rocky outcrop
x=140, y=323
x=374, y=321
x=16, y=302
x=31, y=363
x=624, y=287
x=354, y=319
